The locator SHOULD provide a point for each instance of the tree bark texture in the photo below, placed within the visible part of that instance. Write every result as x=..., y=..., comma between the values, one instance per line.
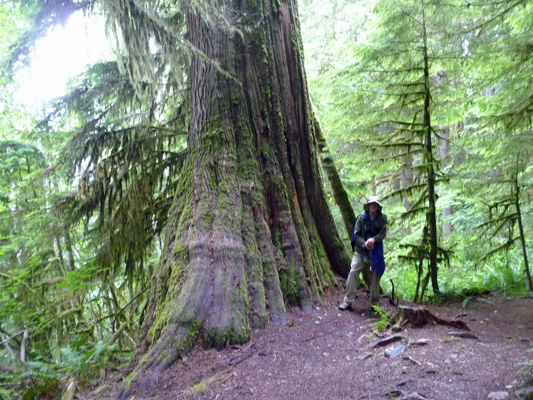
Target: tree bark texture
x=251, y=229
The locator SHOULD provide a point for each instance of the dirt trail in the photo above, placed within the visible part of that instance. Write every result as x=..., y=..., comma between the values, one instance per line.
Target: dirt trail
x=332, y=355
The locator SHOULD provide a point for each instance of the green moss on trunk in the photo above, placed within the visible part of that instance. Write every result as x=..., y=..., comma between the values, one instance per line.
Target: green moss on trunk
x=251, y=228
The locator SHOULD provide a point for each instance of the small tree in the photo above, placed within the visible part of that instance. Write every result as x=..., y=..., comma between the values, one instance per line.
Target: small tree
x=498, y=124
x=401, y=102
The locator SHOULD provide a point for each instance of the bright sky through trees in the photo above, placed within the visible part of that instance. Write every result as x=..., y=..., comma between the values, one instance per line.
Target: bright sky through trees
x=65, y=52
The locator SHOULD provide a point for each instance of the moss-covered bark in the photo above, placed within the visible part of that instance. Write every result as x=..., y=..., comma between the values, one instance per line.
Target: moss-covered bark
x=251, y=228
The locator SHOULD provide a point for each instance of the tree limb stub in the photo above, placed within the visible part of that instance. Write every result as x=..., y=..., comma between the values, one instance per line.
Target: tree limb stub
x=421, y=316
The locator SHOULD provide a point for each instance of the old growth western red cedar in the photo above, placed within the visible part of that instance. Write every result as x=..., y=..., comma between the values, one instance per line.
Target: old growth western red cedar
x=251, y=228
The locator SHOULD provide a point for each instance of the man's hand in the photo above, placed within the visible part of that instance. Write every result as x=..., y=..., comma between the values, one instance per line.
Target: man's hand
x=369, y=244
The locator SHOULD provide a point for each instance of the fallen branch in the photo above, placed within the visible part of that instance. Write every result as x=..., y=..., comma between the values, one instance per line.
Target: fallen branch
x=389, y=340
x=245, y=353
x=463, y=335
x=13, y=336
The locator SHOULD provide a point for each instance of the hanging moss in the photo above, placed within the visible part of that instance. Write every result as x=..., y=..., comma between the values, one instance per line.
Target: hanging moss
x=248, y=231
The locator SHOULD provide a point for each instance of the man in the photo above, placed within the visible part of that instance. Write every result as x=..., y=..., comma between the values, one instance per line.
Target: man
x=367, y=242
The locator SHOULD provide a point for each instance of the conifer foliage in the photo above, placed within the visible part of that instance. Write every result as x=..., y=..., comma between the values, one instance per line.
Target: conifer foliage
x=248, y=228
x=175, y=194
x=457, y=71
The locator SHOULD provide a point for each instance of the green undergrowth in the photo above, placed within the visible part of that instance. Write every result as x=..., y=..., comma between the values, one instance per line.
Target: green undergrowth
x=460, y=283
x=527, y=367
x=383, y=321
x=49, y=379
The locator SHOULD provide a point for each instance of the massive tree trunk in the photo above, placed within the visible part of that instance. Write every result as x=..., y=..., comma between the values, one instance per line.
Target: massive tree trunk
x=251, y=229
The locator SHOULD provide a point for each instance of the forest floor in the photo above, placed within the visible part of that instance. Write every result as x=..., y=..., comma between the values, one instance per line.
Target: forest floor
x=331, y=354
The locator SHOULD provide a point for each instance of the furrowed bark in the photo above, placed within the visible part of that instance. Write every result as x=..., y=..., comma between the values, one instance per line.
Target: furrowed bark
x=251, y=229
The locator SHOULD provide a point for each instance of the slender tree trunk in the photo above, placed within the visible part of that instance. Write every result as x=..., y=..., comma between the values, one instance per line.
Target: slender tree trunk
x=407, y=177
x=23, y=344
x=521, y=229
x=251, y=228
x=69, y=249
x=419, y=270
x=432, y=211
x=444, y=148
x=57, y=243
x=339, y=193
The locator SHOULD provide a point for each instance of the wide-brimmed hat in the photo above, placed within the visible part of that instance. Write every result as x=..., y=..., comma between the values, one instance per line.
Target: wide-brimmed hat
x=373, y=199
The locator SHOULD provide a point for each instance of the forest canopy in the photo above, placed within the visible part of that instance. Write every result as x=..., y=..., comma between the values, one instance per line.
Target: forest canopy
x=205, y=145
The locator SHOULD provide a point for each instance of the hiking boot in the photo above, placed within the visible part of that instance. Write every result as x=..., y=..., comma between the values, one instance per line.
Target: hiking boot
x=344, y=306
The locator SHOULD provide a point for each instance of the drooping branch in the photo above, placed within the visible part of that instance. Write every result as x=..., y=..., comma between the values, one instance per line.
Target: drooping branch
x=250, y=228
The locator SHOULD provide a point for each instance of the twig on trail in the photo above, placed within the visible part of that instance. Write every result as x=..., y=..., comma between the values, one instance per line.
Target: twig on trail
x=463, y=335
x=370, y=395
x=245, y=353
x=360, y=338
x=320, y=336
x=409, y=358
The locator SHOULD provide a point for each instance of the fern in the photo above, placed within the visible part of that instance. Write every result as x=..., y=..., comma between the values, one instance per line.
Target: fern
x=36, y=379
x=87, y=360
x=5, y=395
x=383, y=318
x=527, y=368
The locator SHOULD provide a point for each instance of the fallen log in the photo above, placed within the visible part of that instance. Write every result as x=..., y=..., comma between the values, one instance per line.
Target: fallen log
x=420, y=316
